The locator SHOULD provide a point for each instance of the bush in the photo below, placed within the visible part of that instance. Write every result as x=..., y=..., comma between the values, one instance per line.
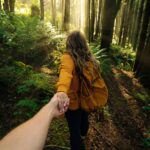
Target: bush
x=26, y=108
x=123, y=57
x=102, y=57
x=12, y=75
x=27, y=85
x=27, y=39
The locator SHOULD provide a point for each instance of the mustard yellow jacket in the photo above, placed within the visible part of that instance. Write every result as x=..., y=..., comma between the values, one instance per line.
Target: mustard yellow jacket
x=68, y=81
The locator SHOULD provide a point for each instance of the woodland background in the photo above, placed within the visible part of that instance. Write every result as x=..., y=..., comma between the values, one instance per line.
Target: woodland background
x=32, y=40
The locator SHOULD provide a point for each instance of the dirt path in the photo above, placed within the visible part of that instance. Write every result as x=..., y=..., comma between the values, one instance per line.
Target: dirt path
x=123, y=125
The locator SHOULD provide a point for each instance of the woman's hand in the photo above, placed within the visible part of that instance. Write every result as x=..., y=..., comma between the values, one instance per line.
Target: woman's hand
x=63, y=101
x=59, y=104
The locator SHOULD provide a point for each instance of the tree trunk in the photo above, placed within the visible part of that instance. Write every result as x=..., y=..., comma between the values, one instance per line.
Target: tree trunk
x=63, y=12
x=66, y=22
x=87, y=19
x=144, y=66
x=130, y=31
x=111, y=8
x=126, y=23
x=92, y=21
x=122, y=22
x=134, y=20
x=6, y=5
x=42, y=9
x=12, y=5
x=0, y=5
x=53, y=4
x=142, y=39
x=98, y=20
x=139, y=17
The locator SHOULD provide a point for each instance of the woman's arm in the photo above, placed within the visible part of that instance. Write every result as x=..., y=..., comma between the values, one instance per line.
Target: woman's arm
x=31, y=135
x=65, y=75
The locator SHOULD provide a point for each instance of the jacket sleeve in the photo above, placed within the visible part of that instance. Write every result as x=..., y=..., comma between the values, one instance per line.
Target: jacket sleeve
x=65, y=76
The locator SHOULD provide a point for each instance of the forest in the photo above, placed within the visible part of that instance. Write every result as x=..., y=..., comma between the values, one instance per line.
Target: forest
x=32, y=40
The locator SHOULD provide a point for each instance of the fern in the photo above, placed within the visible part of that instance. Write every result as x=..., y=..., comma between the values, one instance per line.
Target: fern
x=102, y=57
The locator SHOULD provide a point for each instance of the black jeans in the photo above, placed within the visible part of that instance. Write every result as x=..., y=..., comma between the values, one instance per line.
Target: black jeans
x=78, y=126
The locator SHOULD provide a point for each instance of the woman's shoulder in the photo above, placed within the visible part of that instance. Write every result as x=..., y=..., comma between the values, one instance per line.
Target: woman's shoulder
x=66, y=58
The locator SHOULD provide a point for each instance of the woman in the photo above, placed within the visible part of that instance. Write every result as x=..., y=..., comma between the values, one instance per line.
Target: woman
x=73, y=61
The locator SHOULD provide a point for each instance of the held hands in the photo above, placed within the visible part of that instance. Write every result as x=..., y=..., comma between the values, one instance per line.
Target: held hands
x=59, y=103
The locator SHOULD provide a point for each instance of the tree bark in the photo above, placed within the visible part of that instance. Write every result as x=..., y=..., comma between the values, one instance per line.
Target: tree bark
x=139, y=17
x=53, y=3
x=66, y=22
x=126, y=22
x=92, y=21
x=135, y=13
x=87, y=19
x=0, y=5
x=110, y=10
x=6, y=5
x=122, y=22
x=12, y=5
x=142, y=39
x=98, y=20
x=42, y=9
x=144, y=66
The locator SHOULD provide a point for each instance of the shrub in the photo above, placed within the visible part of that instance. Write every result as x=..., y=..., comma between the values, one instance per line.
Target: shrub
x=26, y=108
x=123, y=57
x=102, y=57
x=27, y=39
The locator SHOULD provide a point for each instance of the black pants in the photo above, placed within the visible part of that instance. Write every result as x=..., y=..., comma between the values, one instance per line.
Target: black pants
x=78, y=126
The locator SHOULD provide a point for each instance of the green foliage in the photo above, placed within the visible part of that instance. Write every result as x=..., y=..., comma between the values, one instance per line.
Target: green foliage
x=13, y=74
x=32, y=88
x=102, y=56
x=143, y=96
x=25, y=108
x=26, y=44
x=147, y=142
x=27, y=38
x=123, y=57
x=37, y=82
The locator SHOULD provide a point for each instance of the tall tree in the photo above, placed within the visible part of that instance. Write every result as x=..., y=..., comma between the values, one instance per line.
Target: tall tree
x=137, y=25
x=92, y=20
x=63, y=8
x=42, y=9
x=66, y=21
x=11, y=5
x=126, y=22
x=53, y=5
x=97, y=32
x=123, y=8
x=110, y=10
x=142, y=56
x=134, y=16
x=143, y=69
x=87, y=19
x=6, y=5
x=0, y=5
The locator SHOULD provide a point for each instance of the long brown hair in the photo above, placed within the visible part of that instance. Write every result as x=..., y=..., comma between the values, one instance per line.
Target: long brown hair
x=77, y=46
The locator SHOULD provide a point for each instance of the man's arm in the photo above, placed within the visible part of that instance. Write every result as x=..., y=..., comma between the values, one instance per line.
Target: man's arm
x=31, y=135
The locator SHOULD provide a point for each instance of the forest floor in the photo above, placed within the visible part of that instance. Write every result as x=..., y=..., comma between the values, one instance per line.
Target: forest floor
x=120, y=128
